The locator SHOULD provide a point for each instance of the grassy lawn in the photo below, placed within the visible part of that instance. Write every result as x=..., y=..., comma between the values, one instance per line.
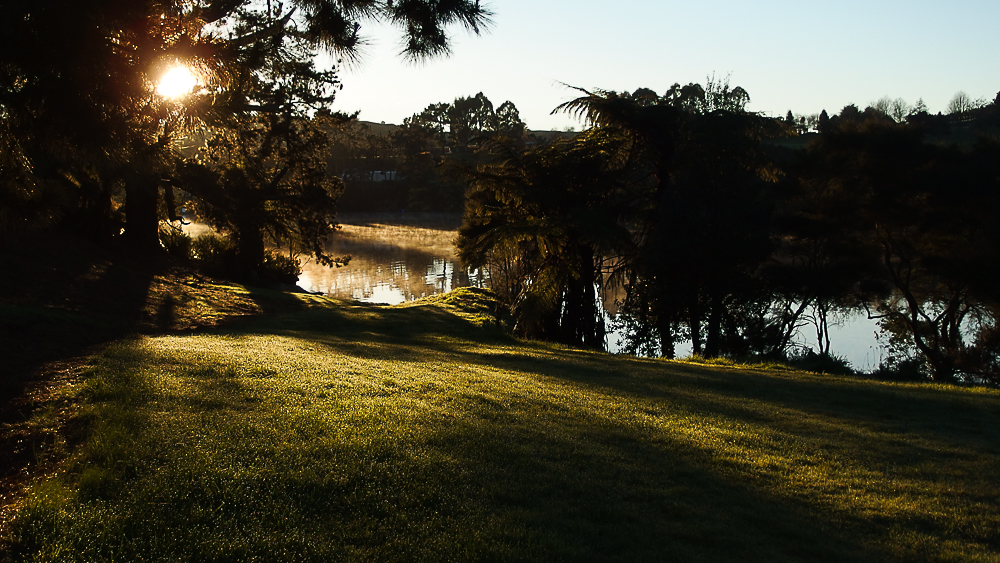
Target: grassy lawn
x=340, y=432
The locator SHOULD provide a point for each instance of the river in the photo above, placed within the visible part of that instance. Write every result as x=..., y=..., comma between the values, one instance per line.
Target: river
x=394, y=258
x=401, y=257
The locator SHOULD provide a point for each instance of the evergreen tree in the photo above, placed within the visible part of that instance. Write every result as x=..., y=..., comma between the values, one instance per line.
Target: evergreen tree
x=77, y=93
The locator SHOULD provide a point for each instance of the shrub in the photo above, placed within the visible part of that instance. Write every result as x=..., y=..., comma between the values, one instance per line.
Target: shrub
x=280, y=268
x=176, y=242
x=216, y=255
x=902, y=369
x=821, y=363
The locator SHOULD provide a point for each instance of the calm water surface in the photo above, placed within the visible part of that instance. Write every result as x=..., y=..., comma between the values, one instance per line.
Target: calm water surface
x=402, y=257
x=394, y=258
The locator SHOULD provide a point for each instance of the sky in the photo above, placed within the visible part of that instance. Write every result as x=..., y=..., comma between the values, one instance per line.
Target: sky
x=801, y=55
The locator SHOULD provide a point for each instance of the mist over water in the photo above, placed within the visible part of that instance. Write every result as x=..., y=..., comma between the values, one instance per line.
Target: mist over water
x=394, y=258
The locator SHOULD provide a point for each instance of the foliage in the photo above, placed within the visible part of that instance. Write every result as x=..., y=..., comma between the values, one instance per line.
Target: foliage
x=908, y=368
x=217, y=256
x=542, y=220
x=176, y=242
x=699, y=209
x=389, y=168
x=821, y=363
x=280, y=268
x=466, y=120
x=737, y=245
x=962, y=104
x=214, y=254
x=267, y=183
x=638, y=336
x=919, y=217
x=79, y=111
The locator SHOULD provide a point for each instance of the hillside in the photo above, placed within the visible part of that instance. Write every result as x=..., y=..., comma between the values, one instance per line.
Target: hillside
x=384, y=128
x=333, y=431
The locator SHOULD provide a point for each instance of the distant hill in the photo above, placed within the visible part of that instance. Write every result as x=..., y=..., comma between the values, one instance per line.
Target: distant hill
x=384, y=128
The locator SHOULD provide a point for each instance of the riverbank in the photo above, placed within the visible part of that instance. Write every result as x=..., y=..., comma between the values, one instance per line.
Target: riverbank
x=326, y=430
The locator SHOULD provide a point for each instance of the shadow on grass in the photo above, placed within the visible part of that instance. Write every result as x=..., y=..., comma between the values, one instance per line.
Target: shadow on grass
x=62, y=296
x=424, y=333
x=415, y=334
x=502, y=487
x=600, y=494
x=367, y=327
x=949, y=415
x=888, y=432
x=60, y=300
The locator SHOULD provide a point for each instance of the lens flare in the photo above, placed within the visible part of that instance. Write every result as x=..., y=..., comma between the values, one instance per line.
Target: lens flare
x=176, y=82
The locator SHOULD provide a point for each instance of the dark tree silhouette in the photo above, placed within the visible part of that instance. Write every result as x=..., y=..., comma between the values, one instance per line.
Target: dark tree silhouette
x=267, y=183
x=923, y=213
x=77, y=86
x=468, y=119
x=543, y=221
x=824, y=121
x=701, y=223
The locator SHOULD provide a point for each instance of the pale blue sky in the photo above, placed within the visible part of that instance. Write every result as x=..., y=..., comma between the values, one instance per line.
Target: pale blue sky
x=799, y=55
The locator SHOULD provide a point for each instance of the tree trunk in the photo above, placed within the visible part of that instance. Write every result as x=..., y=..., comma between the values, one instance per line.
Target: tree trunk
x=141, y=219
x=713, y=339
x=581, y=321
x=249, y=253
x=667, y=343
x=591, y=313
x=694, y=324
x=93, y=216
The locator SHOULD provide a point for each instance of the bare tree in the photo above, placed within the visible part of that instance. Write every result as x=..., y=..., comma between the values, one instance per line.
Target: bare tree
x=897, y=109
x=962, y=103
x=883, y=105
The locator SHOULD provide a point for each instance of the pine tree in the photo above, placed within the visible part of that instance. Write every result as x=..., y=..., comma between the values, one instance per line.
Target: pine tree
x=824, y=122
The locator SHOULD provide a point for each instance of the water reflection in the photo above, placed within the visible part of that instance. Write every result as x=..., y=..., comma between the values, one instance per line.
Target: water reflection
x=398, y=258
x=394, y=258
x=855, y=338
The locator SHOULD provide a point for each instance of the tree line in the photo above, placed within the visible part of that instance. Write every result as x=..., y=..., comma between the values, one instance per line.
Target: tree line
x=726, y=228
x=393, y=168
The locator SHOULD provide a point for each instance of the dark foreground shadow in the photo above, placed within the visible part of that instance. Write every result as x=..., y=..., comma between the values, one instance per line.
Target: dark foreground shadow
x=61, y=300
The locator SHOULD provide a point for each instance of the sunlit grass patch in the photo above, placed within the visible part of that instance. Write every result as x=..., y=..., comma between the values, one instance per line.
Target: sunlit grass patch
x=730, y=362
x=476, y=304
x=348, y=433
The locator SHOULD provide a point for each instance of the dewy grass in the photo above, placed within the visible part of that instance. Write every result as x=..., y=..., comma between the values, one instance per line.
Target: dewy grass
x=729, y=362
x=358, y=433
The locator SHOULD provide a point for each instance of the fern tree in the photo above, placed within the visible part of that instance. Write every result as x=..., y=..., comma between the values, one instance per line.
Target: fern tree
x=543, y=221
x=700, y=223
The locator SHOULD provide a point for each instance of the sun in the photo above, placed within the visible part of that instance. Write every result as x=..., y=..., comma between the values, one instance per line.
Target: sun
x=176, y=82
